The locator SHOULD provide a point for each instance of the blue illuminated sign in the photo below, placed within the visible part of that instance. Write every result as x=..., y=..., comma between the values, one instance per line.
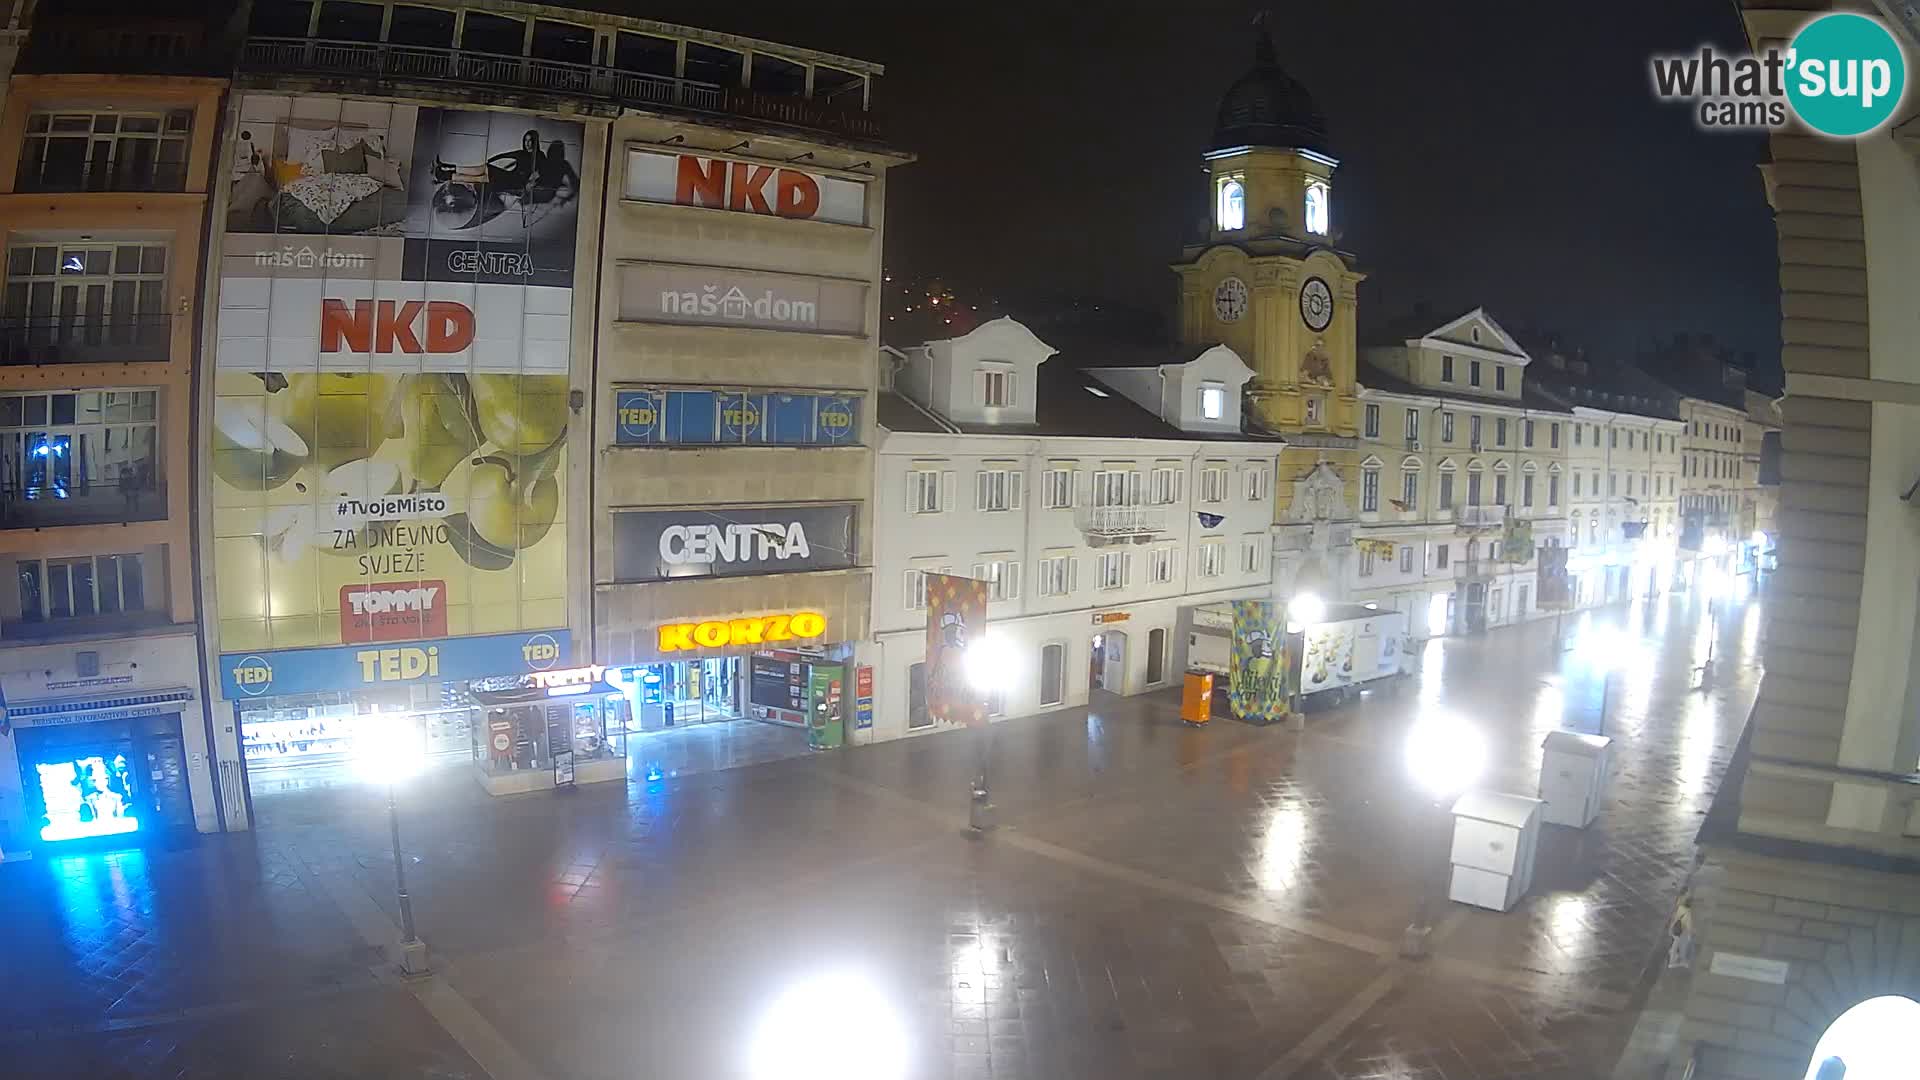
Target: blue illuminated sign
x=353, y=667
x=664, y=417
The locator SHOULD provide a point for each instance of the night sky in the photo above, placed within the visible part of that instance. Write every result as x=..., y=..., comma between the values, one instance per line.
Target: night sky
x=1506, y=154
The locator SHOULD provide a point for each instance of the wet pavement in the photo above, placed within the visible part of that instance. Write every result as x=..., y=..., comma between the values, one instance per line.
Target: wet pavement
x=1158, y=901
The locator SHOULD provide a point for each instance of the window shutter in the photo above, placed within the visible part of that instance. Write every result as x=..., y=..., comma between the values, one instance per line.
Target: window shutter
x=980, y=386
x=979, y=572
x=1013, y=581
x=1013, y=389
x=913, y=491
x=913, y=590
x=1016, y=484
x=947, y=493
x=1073, y=574
x=980, y=490
x=1179, y=481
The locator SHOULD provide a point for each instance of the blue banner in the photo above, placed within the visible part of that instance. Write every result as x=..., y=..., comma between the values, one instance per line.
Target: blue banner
x=358, y=667
x=664, y=417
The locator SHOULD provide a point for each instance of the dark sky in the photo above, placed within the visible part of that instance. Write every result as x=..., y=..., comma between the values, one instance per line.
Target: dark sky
x=1500, y=153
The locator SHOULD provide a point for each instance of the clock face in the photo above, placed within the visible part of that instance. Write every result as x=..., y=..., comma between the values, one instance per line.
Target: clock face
x=1316, y=304
x=1230, y=300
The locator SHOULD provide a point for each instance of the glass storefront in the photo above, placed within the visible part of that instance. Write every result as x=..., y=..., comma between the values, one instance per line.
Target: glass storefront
x=528, y=730
x=107, y=778
x=684, y=692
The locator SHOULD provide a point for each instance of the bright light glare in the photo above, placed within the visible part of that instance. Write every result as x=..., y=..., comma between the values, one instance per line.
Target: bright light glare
x=1437, y=615
x=834, y=1027
x=989, y=663
x=387, y=748
x=1445, y=755
x=1607, y=647
x=1306, y=609
x=1874, y=1038
x=1759, y=538
x=1716, y=546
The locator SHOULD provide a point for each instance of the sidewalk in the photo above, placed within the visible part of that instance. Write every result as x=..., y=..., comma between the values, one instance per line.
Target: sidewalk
x=1159, y=901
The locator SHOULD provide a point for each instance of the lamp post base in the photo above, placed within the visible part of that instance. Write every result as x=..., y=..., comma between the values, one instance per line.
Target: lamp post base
x=980, y=811
x=413, y=958
x=1414, y=939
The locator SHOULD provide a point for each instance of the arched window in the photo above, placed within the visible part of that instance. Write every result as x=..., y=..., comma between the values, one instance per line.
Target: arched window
x=1233, y=206
x=1317, y=198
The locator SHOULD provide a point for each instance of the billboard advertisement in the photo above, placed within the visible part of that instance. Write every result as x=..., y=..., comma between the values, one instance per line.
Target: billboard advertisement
x=1259, y=680
x=956, y=616
x=389, y=426
x=746, y=187
x=654, y=545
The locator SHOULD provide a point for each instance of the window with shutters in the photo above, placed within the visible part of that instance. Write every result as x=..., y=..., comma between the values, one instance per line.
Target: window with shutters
x=1213, y=401
x=1499, y=377
x=1160, y=563
x=1446, y=491
x=1441, y=554
x=1056, y=489
x=1446, y=427
x=1002, y=575
x=997, y=489
x=996, y=387
x=1410, y=489
x=916, y=585
x=1372, y=422
x=1116, y=487
x=1366, y=562
x=1256, y=483
x=1252, y=547
x=1112, y=570
x=1213, y=484
x=1500, y=489
x=1413, y=426
x=1406, y=558
x=1446, y=369
x=1056, y=570
x=1526, y=491
x=1164, y=488
x=1473, y=373
x=1212, y=558
x=1473, y=488
x=1369, y=491
x=924, y=489
x=1553, y=436
x=1553, y=491
x=1473, y=431
x=1526, y=433
x=1500, y=431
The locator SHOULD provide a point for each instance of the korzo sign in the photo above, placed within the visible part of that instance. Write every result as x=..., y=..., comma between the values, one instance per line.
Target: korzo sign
x=653, y=545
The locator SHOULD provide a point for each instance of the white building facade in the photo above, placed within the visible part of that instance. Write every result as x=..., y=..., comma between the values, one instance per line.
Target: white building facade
x=1103, y=504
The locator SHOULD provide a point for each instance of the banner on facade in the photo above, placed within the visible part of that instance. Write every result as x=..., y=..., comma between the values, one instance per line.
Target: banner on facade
x=956, y=617
x=1380, y=549
x=1260, y=681
x=390, y=401
x=1516, y=544
x=1553, y=590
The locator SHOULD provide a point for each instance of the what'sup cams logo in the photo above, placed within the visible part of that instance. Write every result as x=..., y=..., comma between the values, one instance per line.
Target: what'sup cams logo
x=1842, y=75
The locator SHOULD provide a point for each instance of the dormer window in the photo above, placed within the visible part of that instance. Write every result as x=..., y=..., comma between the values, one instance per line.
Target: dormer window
x=1213, y=401
x=1318, y=208
x=996, y=387
x=1232, y=213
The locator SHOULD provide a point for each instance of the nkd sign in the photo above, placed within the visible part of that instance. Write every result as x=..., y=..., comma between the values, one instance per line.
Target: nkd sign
x=744, y=187
x=711, y=296
x=656, y=545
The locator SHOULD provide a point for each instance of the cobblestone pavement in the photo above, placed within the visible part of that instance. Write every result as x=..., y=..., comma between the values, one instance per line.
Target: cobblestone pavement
x=1159, y=901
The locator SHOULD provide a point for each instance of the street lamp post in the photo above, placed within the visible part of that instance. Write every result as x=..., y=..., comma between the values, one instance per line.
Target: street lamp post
x=988, y=663
x=387, y=751
x=1303, y=611
x=1444, y=756
x=413, y=951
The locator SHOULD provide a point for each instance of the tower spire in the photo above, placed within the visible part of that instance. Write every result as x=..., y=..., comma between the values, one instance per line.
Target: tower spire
x=1263, y=54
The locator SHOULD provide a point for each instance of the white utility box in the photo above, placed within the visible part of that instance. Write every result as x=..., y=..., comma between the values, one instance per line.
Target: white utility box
x=1575, y=771
x=1494, y=837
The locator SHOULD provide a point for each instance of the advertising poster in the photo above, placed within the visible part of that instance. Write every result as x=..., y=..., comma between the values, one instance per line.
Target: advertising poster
x=391, y=396
x=956, y=616
x=1553, y=591
x=1517, y=545
x=1259, y=684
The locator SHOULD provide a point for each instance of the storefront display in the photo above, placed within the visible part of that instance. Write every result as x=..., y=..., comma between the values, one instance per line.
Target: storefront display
x=682, y=693
x=529, y=738
x=104, y=778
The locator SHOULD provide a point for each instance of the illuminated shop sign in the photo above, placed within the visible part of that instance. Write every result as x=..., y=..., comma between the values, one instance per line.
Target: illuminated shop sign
x=655, y=545
x=717, y=296
x=755, y=630
x=577, y=676
x=702, y=417
x=744, y=187
x=352, y=667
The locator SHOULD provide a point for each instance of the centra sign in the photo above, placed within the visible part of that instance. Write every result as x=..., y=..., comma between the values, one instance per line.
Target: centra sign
x=758, y=630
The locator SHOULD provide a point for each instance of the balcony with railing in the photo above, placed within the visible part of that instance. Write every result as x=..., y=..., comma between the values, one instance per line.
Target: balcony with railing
x=85, y=339
x=373, y=60
x=1480, y=517
x=1121, y=522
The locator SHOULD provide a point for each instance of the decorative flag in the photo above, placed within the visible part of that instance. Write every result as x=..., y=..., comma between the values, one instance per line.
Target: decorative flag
x=956, y=617
x=1260, y=680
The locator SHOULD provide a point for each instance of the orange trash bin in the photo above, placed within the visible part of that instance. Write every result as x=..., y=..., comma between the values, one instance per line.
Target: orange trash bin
x=1196, y=700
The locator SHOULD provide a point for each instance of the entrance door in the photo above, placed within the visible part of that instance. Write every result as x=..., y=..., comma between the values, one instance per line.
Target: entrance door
x=1156, y=656
x=1112, y=660
x=1497, y=607
x=1476, y=607
x=1053, y=672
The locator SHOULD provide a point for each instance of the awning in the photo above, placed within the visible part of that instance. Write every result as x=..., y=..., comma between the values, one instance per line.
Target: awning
x=95, y=708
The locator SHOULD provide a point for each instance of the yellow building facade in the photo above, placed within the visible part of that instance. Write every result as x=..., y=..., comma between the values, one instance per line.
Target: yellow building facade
x=1270, y=282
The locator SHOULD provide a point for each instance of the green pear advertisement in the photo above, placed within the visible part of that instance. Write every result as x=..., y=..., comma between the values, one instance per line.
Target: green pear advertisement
x=390, y=415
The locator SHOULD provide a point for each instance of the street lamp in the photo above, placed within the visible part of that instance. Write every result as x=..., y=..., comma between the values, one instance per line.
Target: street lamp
x=795, y=1041
x=1604, y=648
x=387, y=750
x=988, y=665
x=1444, y=756
x=1303, y=610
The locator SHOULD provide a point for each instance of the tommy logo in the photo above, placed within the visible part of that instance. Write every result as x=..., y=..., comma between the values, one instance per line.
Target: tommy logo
x=393, y=612
x=410, y=326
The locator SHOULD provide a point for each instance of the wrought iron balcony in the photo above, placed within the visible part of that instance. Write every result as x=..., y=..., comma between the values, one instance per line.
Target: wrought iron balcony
x=1122, y=522
x=416, y=63
x=1480, y=517
x=84, y=339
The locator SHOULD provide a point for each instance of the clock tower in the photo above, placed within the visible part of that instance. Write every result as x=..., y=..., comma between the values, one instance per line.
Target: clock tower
x=1271, y=283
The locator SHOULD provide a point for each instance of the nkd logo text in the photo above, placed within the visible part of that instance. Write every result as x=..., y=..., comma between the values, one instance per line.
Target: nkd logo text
x=1842, y=75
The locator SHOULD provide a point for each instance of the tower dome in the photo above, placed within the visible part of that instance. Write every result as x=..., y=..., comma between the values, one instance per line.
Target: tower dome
x=1268, y=107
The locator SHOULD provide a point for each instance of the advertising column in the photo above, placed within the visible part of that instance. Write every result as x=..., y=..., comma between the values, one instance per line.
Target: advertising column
x=390, y=414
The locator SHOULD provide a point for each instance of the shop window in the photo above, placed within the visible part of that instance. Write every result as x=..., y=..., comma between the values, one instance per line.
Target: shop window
x=78, y=457
x=917, y=714
x=645, y=54
x=424, y=27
